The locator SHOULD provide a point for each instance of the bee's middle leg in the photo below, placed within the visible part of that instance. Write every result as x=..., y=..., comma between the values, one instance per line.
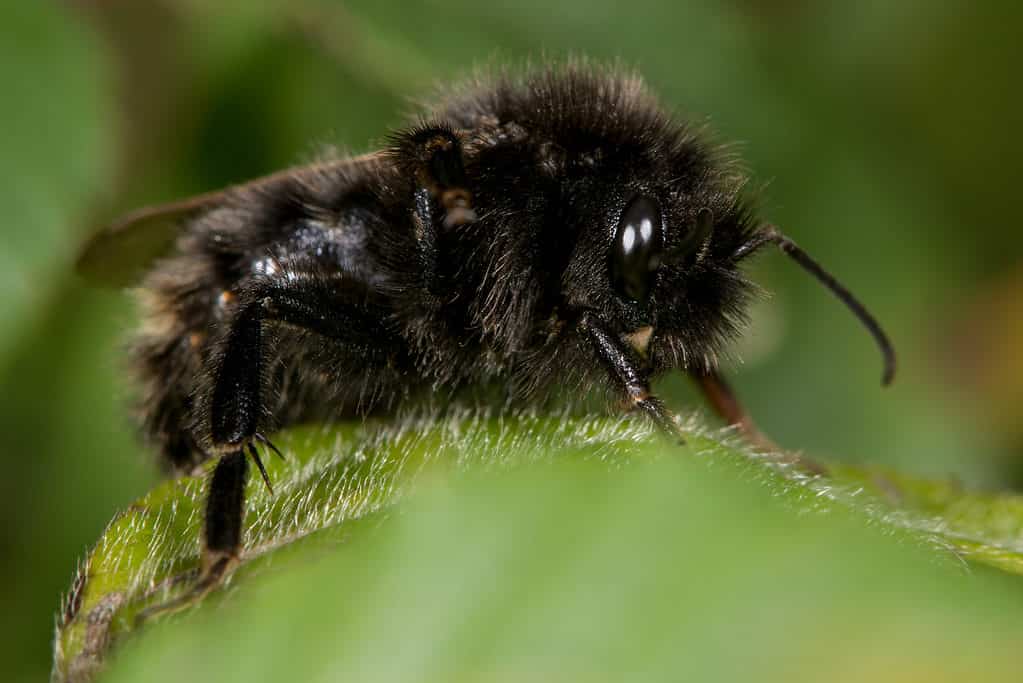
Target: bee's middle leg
x=433, y=157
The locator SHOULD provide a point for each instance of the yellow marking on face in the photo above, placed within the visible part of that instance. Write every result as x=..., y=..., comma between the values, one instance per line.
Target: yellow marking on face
x=640, y=339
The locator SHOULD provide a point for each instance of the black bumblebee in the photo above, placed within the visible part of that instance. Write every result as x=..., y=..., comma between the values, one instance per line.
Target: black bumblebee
x=534, y=231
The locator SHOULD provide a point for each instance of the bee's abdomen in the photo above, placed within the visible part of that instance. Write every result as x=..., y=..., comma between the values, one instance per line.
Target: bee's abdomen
x=178, y=302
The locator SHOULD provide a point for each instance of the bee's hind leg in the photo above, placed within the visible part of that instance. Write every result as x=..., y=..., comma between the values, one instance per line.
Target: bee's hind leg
x=303, y=294
x=225, y=513
x=222, y=534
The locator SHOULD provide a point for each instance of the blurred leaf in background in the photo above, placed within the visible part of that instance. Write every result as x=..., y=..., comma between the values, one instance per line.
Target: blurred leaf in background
x=55, y=75
x=66, y=449
x=883, y=131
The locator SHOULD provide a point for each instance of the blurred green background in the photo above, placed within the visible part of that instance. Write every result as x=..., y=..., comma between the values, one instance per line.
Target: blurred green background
x=884, y=132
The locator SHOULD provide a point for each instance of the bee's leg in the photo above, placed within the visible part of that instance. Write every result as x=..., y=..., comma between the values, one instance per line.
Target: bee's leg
x=225, y=511
x=727, y=405
x=433, y=156
x=222, y=533
x=303, y=295
x=622, y=364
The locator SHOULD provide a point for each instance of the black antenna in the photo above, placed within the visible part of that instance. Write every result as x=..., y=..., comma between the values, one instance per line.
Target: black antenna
x=770, y=233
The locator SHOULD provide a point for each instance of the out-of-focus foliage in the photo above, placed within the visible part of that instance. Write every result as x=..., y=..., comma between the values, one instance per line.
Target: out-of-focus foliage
x=400, y=554
x=50, y=177
x=883, y=131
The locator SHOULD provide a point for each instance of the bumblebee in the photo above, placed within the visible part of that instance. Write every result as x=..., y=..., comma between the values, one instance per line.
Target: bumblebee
x=533, y=231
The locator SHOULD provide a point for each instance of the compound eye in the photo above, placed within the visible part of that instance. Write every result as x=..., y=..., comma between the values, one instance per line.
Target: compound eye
x=636, y=251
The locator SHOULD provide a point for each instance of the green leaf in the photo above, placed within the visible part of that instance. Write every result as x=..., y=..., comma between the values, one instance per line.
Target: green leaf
x=547, y=547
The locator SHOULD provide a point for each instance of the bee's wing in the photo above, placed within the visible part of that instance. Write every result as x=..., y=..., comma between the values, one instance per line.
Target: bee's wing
x=120, y=254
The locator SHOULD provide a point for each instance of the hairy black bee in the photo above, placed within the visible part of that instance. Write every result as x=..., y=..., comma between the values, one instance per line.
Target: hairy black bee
x=548, y=229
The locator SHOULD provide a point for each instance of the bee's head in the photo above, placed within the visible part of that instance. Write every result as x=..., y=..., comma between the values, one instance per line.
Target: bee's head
x=594, y=200
x=656, y=261
x=644, y=259
x=673, y=273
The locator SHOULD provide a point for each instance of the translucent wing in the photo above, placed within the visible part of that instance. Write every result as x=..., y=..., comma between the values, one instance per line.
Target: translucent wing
x=121, y=253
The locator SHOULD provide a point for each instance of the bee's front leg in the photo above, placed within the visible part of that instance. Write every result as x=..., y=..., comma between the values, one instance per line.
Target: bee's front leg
x=625, y=370
x=726, y=404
